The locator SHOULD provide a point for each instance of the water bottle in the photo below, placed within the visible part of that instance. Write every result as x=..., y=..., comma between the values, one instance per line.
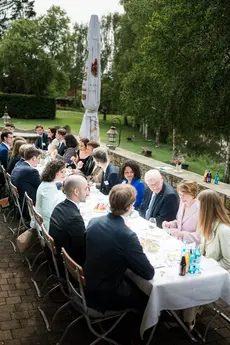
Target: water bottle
x=192, y=262
x=198, y=257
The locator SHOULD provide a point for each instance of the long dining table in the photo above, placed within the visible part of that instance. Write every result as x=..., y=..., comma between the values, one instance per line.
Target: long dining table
x=167, y=290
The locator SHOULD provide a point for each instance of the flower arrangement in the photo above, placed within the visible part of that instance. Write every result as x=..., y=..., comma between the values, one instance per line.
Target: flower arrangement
x=179, y=160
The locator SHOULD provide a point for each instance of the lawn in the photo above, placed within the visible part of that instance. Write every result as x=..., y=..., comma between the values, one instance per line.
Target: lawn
x=163, y=153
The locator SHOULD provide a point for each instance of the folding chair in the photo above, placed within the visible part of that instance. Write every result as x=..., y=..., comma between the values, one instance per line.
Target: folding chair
x=29, y=202
x=38, y=225
x=8, y=206
x=60, y=281
x=78, y=301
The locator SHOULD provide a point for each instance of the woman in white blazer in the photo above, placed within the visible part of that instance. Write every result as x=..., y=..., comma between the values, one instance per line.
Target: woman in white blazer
x=214, y=226
x=45, y=199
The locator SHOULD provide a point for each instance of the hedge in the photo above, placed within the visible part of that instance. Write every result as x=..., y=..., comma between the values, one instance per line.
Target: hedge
x=27, y=106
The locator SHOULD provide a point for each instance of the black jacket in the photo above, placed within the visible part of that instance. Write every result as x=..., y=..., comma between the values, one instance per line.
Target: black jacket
x=26, y=179
x=12, y=163
x=109, y=179
x=67, y=229
x=165, y=206
x=112, y=248
x=42, y=142
x=61, y=149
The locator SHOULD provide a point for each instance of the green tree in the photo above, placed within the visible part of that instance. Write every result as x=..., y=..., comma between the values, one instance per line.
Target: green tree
x=14, y=9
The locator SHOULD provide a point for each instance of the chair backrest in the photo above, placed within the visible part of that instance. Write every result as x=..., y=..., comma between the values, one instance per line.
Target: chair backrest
x=38, y=218
x=30, y=205
x=76, y=271
x=14, y=190
x=49, y=241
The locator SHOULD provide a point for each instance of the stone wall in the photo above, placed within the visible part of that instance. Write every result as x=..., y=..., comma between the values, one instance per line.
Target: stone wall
x=119, y=156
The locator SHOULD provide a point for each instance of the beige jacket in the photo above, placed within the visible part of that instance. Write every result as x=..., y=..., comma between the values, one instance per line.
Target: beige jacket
x=218, y=247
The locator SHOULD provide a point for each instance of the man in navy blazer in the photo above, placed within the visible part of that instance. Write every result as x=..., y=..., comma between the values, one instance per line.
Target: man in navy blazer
x=25, y=176
x=7, y=141
x=60, y=136
x=110, y=175
x=42, y=140
x=112, y=248
x=161, y=201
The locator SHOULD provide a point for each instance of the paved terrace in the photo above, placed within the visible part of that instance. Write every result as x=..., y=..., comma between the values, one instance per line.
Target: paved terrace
x=21, y=323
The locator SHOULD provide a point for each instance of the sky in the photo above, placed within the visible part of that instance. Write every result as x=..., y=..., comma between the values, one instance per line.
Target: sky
x=80, y=10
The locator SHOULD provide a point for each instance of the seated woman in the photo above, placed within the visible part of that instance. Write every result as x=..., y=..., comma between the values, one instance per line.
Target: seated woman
x=214, y=227
x=15, y=156
x=53, y=172
x=185, y=225
x=53, y=142
x=130, y=173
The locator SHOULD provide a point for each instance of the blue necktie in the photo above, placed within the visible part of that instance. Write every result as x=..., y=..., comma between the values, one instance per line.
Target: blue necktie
x=149, y=210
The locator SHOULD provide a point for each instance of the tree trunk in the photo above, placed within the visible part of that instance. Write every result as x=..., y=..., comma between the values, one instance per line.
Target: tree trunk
x=157, y=138
x=126, y=122
x=104, y=116
x=227, y=163
x=146, y=131
x=174, y=145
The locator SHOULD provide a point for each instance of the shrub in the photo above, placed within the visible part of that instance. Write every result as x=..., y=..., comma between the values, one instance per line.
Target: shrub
x=28, y=106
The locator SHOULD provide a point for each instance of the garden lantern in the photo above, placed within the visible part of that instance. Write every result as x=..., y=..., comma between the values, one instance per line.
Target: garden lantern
x=113, y=133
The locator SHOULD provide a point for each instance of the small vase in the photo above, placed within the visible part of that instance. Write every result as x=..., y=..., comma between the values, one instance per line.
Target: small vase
x=178, y=168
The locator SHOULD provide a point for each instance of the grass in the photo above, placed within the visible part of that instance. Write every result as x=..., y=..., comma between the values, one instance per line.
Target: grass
x=162, y=153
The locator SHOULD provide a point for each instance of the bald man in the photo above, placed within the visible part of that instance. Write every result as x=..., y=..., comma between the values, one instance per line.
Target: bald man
x=161, y=201
x=66, y=224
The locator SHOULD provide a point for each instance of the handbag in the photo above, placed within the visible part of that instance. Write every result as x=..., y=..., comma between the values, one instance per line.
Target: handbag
x=25, y=240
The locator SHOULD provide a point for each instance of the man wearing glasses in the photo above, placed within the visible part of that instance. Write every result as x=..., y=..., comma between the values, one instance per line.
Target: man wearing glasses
x=161, y=201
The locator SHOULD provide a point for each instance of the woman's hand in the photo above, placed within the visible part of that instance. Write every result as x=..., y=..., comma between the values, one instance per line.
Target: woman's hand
x=165, y=224
x=177, y=233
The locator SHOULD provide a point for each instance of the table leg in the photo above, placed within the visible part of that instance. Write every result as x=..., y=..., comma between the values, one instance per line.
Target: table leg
x=181, y=323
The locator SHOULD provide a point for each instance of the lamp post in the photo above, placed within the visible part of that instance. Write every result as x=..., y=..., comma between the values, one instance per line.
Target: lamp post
x=112, y=134
x=6, y=116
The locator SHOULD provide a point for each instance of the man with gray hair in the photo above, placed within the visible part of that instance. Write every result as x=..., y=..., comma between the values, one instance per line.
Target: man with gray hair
x=66, y=224
x=161, y=201
x=110, y=175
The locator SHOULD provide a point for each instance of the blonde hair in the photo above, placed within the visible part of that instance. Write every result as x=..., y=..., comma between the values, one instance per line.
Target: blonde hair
x=188, y=187
x=211, y=210
x=121, y=197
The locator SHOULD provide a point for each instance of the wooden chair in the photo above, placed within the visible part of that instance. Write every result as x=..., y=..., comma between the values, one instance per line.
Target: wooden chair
x=78, y=301
x=60, y=281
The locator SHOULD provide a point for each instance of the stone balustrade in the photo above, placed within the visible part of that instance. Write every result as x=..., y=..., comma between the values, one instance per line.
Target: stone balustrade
x=119, y=156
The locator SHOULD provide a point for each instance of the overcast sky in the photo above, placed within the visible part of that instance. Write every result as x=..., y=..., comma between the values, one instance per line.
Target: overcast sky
x=80, y=10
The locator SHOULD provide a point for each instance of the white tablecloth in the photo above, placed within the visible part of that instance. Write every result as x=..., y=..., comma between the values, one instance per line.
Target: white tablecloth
x=167, y=290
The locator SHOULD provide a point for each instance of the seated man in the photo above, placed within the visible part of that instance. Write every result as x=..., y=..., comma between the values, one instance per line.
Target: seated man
x=42, y=140
x=110, y=175
x=66, y=224
x=25, y=177
x=22, y=151
x=161, y=201
x=60, y=136
x=10, y=127
x=7, y=141
x=111, y=248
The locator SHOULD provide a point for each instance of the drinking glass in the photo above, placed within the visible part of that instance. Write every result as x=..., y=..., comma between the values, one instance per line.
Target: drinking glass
x=153, y=222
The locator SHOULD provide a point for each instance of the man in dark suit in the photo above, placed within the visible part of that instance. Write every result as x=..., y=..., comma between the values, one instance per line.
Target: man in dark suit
x=112, y=248
x=25, y=176
x=110, y=175
x=7, y=141
x=161, y=201
x=66, y=224
x=42, y=140
x=60, y=136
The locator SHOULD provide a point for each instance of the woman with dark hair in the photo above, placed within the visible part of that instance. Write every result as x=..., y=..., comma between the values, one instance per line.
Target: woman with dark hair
x=53, y=142
x=130, y=173
x=15, y=156
x=54, y=172
x=70, y=149
x=83, y=157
